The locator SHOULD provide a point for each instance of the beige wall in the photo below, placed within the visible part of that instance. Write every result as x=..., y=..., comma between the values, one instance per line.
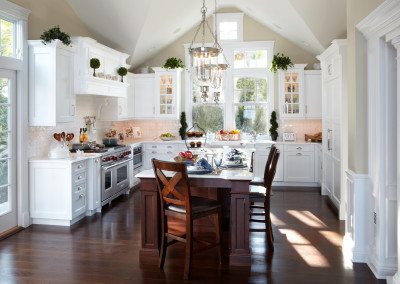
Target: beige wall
x=252, y=31
x=48, y=13
x=357, y=84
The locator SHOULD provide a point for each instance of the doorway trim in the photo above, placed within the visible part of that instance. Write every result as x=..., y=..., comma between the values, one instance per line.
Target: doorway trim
x=20, y=64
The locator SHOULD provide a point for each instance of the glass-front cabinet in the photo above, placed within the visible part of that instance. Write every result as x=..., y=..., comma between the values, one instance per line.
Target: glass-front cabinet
x=291, y=92
x=167, y=92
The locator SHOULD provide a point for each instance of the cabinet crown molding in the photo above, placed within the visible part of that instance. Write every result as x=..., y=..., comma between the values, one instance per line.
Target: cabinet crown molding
x=382, y=20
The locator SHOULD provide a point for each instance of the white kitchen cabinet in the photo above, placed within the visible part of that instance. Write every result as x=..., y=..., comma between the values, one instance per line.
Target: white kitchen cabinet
x=165, y=151
x=291, y=92
x=333, y=65
x=313, y=94
x=158, y=95
x=299, y=166
x=51, y=83
x=118, y=109
x=168, y=92
x=58, y=191
x=110, y=61
x=144, y=96
x=260, y=159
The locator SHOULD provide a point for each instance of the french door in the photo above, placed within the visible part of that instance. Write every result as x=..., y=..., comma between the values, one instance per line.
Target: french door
x=8, y=190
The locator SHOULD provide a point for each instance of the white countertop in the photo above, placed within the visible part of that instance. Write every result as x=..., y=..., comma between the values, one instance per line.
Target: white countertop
x=72, y=159
x=224, y=174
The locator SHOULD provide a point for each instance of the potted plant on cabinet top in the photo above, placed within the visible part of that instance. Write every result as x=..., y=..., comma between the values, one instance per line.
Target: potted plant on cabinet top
x=122, y=71
x=173, y=63
x=53, y=34
x=280, y=61
x=95, y=64
x=273, y=130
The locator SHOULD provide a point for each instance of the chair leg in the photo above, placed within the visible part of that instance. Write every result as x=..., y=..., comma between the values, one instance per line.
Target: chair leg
x=218, y=233
x=268, y=227
x=189, y=248
x=164, y=241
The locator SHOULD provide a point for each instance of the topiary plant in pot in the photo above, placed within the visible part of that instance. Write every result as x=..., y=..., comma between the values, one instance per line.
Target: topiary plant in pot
x=184, y=126
x=273, y=130
x=280, y=61
x=122, y=71
x=173, y=63
x=55, y=33
x=95, y=64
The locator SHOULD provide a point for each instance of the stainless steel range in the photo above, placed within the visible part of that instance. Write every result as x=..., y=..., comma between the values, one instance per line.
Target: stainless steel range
x=115, y=172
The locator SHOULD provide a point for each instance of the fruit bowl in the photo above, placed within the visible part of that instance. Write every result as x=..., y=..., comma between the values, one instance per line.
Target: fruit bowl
x=163, y=138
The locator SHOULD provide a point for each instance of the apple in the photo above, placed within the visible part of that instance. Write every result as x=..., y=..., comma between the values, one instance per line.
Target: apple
x=188, y=155
x=182, y=154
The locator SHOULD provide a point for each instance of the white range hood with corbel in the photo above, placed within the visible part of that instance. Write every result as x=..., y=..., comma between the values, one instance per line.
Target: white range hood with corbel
x=106, y=82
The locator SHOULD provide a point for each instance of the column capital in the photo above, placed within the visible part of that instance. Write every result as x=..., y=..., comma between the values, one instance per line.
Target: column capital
x=396, y=42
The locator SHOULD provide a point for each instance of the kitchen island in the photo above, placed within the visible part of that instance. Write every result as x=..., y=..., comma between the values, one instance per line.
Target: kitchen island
x=233, y=184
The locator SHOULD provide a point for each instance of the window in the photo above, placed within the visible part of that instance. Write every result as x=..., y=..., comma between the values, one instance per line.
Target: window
x=246, y=98
x=230, y=26
x=251, y=104
x=7, y=38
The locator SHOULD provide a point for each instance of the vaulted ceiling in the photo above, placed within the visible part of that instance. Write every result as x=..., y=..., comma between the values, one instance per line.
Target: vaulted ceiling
x=142, y=28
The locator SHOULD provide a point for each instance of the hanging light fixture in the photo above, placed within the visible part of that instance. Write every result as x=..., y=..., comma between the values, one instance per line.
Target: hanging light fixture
x=205, y=69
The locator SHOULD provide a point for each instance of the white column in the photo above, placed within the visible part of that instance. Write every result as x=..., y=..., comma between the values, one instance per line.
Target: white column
x=395, y=279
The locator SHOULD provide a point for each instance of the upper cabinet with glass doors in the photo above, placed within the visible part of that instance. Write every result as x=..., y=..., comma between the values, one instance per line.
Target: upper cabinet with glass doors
x=291, y=92
x=168, y=89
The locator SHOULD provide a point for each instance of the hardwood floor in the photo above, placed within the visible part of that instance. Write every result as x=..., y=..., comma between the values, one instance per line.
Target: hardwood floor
x=104, y=249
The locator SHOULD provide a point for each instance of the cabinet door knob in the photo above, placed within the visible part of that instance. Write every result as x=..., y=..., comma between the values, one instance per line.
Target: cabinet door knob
x=80, y=177
x=79, y=188
x=79, y=166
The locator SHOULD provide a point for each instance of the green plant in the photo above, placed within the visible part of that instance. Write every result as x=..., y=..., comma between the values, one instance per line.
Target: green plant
x=184, y=126
x=173, y=63
x=95, y=64
x=273, y=130
x=122, y=71
x=280, y=61
x=55, y=33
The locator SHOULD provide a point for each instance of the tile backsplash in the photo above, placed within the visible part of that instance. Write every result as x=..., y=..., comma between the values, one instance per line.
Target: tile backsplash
x=300, y=127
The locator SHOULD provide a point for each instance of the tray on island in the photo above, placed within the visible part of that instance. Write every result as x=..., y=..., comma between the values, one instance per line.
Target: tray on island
x=198, y=170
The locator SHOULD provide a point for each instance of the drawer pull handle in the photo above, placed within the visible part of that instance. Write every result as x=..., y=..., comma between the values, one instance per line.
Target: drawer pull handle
x=154, y=152
x=299, y=148
x=299, y=154
x=169, y=152
x=170, y=147
x=154, y=146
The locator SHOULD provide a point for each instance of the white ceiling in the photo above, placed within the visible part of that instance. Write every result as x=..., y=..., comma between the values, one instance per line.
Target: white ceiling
x=142, y=28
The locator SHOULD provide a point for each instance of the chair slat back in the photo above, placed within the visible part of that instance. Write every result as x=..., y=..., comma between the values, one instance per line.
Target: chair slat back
x=271, y=174
x=172, y=190
x=271, y=154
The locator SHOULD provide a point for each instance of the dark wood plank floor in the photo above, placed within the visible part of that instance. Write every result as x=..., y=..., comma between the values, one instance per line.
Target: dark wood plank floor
x=104, y=249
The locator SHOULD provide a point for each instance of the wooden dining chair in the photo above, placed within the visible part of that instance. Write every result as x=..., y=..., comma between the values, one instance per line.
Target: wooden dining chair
x=176, y=201
x=258, y=180
x=262, y=194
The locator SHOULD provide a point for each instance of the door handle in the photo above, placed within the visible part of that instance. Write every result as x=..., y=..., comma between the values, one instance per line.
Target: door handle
x=329, y=139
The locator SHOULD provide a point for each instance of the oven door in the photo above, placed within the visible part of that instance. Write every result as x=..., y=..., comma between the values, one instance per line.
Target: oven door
x=137, y=160
x=122, y=176
x=107, y=182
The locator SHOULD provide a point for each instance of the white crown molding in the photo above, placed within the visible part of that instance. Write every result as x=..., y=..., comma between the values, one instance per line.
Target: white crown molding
x=337, y=44
x=382, y=20
x=13, y=10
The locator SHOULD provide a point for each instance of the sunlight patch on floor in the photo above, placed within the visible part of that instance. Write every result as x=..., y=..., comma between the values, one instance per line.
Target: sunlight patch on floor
x=276, y=221
x=333, y=237
x=307, y=218
x=310, y=254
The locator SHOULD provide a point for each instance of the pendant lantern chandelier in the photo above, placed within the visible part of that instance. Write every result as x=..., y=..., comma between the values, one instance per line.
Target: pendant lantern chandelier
x=205, y=69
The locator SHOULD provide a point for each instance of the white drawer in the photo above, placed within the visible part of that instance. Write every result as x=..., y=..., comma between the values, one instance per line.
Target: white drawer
x=79, y=177
x=79, y=188
x=299, y=148
x=79, y=202
x=78, y=167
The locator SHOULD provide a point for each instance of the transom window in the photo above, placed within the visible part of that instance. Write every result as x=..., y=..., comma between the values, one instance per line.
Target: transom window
x=7, y=38
x=230, y=26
